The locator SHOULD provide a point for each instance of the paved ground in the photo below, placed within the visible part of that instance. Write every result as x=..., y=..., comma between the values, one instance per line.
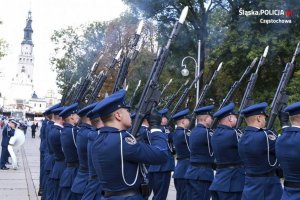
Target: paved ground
x=23, y=183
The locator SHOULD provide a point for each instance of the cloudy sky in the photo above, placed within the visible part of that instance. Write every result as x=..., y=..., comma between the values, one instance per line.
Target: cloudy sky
x=47, y=15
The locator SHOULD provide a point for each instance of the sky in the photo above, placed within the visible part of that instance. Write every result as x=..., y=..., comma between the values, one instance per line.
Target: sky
x=47, y=16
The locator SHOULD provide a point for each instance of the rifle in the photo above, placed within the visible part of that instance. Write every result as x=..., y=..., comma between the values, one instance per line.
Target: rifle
x=134, y=93
x=133, y=51
x=83, y=88
x=204, y=92
x=102, y=78
x=185, y=94
x=249, y=89
x=280, y=95
x=232, y=90
x=151, y=94
x=172, y=98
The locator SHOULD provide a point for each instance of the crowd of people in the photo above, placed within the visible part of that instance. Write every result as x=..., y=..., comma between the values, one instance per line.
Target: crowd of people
x=91, y=154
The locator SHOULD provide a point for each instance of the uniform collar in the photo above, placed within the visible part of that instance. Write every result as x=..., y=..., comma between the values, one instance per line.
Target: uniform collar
x=109, y=129
x=295, y=126
x=59, y=125
x=200, y=125
x=85, y=125
x=68, y=125
x=224, y=126
x=292, y=129
x=179, y=128
x=252, y=128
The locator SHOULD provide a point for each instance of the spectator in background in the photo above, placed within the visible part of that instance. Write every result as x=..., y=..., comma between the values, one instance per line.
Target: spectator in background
x=33, y=130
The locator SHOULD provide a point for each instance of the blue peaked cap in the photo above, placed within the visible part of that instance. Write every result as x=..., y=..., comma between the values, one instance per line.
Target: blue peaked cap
x=225, y=111
x=84, y=111
x=110, y=104
x=204, y=110
x=163, y=111
x=56, y=111
x=69, y=110
x=256, y=109
x=293, y=109
x=91, y=114
x=181, y=114
x=49, y=110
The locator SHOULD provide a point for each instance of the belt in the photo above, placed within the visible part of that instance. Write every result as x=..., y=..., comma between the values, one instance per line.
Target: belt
x=291, y=184
x=208, y=165
x=269, y=174
x=93, y=177
x=73, y=164
x=83, y=168
x=123, y=193
x=182, y=158
x=231, y=166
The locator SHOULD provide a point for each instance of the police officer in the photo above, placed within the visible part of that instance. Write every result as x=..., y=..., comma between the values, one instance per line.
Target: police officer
x=49, y=157
x=230, y=175
x=42, y=153
x=200, y=172
x=59, y=158
x=82, y=177
x=116, y=154
x=287, y=152
x=257, y=151
x=93, y=189
x=181, y=142
x=68, y=143
x=160, y=175
x=7, y=133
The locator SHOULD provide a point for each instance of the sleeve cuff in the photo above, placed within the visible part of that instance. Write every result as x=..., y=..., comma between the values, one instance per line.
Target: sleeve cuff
x=155, y=130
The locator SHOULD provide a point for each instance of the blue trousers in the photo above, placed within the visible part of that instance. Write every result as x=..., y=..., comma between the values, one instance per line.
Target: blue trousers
x=4, y=156
x=41, y=170
x=181, y=188
x=198, y=189
x=93, y=190
x=216, y=195
x=290, y=193
x=159, y=183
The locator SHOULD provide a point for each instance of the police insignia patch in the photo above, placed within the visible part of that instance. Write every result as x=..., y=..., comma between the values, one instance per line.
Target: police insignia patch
x=130, y=140
x=272, y=137
x=188, y=133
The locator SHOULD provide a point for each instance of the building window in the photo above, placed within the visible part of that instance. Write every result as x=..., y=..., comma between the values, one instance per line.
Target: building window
x=40, y=105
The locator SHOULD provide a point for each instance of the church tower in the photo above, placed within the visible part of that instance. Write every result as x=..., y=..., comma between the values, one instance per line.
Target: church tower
x=22, y=83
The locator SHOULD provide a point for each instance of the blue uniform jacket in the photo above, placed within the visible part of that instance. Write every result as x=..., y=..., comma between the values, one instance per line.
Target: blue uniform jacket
x=116, y=155
x=42, y=135
x=170, y=164
x=68, y=141
x=253, y=151
x=7, y=133
x=82, y=177
x=181, y=143
x=201, y=152
x=287, y=152
x=49, y=159
x=54, y=141
x=93, y=189
x=225, y=146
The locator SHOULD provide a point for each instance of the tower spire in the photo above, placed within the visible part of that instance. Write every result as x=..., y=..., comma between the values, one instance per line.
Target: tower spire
x=28, y=30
